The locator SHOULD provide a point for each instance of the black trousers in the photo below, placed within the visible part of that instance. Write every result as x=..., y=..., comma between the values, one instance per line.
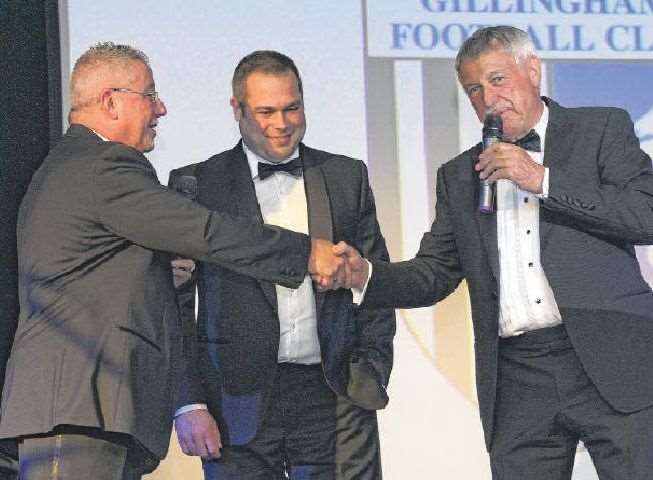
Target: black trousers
x=546, y=404
x=308, y=433
x=78, y=453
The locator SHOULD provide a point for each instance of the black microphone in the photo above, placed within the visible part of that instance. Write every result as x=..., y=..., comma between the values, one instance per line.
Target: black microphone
x=492, y=133
x=187, y=186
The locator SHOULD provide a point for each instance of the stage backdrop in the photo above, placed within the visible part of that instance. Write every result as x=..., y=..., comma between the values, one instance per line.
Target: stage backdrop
x=379, y=85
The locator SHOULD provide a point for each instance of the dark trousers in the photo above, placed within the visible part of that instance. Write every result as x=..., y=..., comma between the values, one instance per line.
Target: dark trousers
x=83, y=453
x=308, y=433
x=8, y=459
x=546, y=404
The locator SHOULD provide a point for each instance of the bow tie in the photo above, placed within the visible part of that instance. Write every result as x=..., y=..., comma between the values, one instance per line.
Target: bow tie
x=530, y=142
x=294, y=168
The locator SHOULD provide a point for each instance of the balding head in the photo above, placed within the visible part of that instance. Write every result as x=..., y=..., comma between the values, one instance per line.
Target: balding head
x=113, y=93
x=102, y=66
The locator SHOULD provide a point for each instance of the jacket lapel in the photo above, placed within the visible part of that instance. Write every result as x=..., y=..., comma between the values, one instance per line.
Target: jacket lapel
x=487, y=223
x=236, y=187
x=557, y=150
x=320, y=223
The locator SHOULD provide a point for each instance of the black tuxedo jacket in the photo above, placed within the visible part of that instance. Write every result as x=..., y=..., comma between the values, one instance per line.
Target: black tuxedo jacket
x=98, y=341
x=600, y=205
x=238, y=327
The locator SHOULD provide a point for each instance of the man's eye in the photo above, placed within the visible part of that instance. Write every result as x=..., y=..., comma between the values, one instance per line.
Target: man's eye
x=471, y=91
x=497, y=80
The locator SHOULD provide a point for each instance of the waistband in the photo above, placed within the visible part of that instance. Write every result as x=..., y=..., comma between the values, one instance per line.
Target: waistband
x=534, y=337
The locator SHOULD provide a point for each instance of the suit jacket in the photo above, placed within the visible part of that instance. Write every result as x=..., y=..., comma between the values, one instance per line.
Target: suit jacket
x=599, y=205
x=98, y=341
x=238, y=326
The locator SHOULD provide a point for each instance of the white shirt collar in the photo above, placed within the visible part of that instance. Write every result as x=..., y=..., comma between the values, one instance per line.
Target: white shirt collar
x=99, y=135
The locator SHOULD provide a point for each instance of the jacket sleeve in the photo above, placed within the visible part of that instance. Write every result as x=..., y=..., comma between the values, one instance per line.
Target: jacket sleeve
x=190, y=389
x=427, y=278
x=132, y=204
x=617, y=201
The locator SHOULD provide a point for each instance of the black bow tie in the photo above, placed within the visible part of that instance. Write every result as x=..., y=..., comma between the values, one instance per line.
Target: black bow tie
x=530, y=142
x=294, y=168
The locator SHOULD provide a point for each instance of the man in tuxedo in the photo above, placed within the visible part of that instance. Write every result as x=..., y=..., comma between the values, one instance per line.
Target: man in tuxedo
x=291, y=378
x=91, y=380
x=563, y=320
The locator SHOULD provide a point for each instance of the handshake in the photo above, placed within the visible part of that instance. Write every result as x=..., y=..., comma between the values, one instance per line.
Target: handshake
x=336, y=266
x=331, y=266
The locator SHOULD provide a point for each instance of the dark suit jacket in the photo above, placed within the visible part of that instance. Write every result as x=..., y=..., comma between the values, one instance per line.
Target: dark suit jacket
x=98, y=341
x=599, y=205
x=238, y=327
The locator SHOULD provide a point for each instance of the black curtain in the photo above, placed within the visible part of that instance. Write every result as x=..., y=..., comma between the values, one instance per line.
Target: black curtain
x=30, y=122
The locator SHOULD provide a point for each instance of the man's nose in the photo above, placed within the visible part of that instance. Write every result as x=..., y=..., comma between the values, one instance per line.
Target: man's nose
x=489, y=97
x=280, y=120
x=160, y=108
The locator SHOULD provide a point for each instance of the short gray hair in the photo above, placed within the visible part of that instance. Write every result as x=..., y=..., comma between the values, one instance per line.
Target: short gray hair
x=99, y=55
x=502, y=37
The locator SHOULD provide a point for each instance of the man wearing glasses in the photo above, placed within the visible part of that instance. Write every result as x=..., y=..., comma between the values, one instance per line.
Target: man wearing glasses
x=91, y=380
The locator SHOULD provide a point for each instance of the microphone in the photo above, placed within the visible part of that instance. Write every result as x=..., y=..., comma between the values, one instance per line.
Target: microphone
x=187, y=186
x=492, y=133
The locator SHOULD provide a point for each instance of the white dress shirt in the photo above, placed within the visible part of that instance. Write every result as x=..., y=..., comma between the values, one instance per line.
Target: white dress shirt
x=526, y=299
x=282, y=200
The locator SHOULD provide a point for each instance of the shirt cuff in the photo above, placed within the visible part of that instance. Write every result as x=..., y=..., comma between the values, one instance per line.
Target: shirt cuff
x=545, y=184
x=190, y=408
x=358, y=294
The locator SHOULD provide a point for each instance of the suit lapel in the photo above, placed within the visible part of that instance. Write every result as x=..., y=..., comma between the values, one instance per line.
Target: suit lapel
x=487, y=223
x=234, y=185
x=320, y=223
x=557, y=150
x=488, y=227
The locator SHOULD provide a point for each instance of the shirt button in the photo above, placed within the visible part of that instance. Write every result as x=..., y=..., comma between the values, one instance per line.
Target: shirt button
x=528, y=232
x=538, y=301
x=530, y=264
x=526, y=200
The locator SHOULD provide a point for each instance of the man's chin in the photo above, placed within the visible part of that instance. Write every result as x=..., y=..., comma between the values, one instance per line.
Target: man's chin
x=147, y=148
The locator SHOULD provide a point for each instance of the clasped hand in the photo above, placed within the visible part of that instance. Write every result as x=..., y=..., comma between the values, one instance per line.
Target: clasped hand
x=336, y=266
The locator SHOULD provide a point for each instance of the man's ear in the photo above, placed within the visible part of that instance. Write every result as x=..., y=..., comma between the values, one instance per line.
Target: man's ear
x=534, y=67
x=235, y=106
x=108, y=104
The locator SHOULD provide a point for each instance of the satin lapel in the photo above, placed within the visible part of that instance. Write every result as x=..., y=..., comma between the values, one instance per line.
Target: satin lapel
x=320, y=223
x=488, y=226
x=557, y=151
x=241, y=193
x=487, y=223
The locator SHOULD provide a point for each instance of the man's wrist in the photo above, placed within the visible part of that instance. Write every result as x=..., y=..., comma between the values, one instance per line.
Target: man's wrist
x=190, y=408
x=358, y=294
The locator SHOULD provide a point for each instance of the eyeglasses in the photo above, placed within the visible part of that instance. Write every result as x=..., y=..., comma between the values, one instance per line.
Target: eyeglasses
x=154, y=96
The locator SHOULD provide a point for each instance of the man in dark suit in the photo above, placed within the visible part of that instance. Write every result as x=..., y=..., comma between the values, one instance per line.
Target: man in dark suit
x=91, y=380
x=291, y=378
x=563, y=320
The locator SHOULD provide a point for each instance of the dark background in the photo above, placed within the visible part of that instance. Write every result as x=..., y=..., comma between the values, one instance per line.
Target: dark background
x=30, y=122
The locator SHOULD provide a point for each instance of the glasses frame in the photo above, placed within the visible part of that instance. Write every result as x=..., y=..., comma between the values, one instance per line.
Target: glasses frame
x=153, y=96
